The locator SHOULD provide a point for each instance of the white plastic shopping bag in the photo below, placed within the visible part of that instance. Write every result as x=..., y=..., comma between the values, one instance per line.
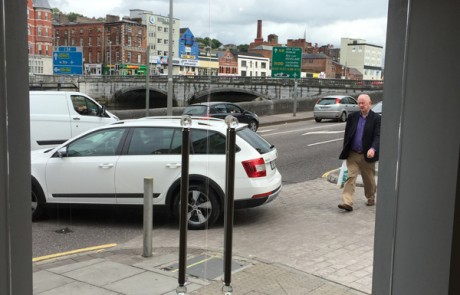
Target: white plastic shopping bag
x=343, y=175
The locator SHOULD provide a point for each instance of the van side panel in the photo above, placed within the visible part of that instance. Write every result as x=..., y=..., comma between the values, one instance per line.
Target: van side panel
x=49, y=119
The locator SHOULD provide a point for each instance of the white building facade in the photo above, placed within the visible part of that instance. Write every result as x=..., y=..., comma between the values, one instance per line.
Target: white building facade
x=253, y=65
x=366, y=58
x=158, y=37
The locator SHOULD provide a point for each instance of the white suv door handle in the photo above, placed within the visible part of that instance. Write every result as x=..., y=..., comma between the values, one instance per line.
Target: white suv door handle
x=76, y=118
x=105, y=166
x=173, y=165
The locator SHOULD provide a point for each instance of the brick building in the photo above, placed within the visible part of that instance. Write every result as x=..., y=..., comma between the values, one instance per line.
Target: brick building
x=317, y=64
x=89, y=36
x=39, y=36
x=228, y=64
x=117, y=46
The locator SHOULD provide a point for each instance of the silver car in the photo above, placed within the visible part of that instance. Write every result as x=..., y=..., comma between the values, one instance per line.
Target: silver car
x=336, y=107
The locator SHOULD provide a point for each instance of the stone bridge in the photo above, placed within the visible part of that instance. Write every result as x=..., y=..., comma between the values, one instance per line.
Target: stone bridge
x=123, y=91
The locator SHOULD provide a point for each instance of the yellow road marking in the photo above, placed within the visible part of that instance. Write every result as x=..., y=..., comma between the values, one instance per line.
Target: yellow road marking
x=325, y=175
x=101, y=247
x=196, y=263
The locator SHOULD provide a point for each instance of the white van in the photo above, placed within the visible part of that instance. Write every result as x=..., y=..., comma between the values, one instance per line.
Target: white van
x=56, y=116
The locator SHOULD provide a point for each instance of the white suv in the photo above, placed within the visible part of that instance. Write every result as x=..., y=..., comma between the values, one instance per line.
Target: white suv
x=107, y=165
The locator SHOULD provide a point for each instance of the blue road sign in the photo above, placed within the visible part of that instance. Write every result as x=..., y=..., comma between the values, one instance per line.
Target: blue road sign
x=67, y=60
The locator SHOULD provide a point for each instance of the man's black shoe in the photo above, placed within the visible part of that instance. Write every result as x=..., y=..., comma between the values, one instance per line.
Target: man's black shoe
x=345, y=207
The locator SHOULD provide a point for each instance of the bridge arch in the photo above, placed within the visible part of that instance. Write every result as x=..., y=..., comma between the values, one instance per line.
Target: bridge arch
x=134, y=97
x=225, y=94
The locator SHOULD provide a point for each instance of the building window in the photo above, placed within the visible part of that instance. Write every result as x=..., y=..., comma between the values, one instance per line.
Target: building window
x=159, y=41
x=160, y=29
x=160, y=52
x=243, y=74
x=129, y=41
x=166, y=41
x=129, y=29
x=90, y=57
x=166, y=30
x=263, y=65
x=81, y=31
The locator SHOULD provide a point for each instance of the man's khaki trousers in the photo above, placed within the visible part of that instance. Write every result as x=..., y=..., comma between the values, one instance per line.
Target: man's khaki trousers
x=355, y=165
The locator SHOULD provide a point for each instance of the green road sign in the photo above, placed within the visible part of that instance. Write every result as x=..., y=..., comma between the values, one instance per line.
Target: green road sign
x=286, y=62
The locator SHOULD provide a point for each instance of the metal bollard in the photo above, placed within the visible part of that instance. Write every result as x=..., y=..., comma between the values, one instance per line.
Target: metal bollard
x=148, y=216
x=232, y=122
x=186, y=122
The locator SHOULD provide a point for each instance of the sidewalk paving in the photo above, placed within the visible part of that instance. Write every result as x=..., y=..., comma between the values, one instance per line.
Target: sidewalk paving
x=333, y=259
x=313, y=256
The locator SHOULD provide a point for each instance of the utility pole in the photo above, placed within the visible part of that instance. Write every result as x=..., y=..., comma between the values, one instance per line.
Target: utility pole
x=147, y=81
x=110, y=57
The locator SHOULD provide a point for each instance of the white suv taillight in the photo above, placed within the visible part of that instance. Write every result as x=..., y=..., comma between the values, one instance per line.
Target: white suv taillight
x=255, y=168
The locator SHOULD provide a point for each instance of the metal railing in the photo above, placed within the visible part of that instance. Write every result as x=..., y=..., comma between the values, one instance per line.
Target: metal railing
x=302, y=82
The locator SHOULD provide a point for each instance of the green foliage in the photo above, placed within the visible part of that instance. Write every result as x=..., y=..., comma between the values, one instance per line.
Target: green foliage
x=72, y=16
x=208, y=42
x=243, y=47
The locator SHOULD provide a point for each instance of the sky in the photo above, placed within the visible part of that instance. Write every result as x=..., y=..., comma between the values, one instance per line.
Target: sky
x=235, y=21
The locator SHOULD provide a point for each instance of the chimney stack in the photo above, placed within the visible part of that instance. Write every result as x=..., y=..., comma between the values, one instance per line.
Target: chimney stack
x=259, y=38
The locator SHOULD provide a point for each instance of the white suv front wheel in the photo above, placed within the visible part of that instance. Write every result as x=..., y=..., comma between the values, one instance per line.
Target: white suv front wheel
x=203, y=208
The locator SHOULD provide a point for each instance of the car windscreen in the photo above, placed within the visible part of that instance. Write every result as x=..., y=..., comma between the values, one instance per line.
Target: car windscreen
x=195, y=110
x=326, y=101
x=255, y=140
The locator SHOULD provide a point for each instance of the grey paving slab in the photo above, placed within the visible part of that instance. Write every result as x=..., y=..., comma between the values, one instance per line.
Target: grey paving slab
x=103, y=273
x=302, y=229
x=75, y=265
x=302, y=244
x=79, y=288
x=44, y=280
x=147, y=283
x=271, y=279
x=151, y=263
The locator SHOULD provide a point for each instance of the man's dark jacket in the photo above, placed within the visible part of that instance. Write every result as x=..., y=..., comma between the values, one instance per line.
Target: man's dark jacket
x=371, y=135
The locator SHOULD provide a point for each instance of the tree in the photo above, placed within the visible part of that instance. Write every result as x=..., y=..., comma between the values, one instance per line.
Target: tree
x=208, y=42
x=72, y=16
x=215, y=43
x=243, y=47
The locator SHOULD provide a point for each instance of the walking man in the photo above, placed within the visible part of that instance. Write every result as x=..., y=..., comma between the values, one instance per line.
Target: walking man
x=361, y=150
